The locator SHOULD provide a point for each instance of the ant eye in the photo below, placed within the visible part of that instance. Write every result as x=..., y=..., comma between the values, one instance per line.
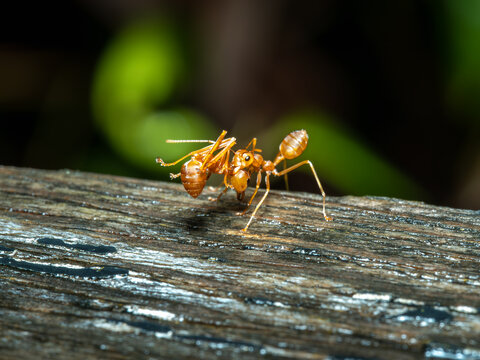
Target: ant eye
x=247, y=158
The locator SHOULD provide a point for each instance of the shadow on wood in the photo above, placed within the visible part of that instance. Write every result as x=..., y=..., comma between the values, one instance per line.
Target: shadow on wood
x=96, y=266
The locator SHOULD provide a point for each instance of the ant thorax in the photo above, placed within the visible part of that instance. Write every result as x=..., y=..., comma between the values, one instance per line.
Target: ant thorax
x=268, y=166
x=257, y=161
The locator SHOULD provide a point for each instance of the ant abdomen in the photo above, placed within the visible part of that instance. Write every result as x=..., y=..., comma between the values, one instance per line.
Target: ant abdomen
x=193, y=177
x=294, y=144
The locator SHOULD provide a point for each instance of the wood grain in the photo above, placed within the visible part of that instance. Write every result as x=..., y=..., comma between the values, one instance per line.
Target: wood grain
x=96, y=266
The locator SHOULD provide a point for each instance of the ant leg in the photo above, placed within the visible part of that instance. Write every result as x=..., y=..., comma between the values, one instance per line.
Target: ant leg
x=285, y=176
x=208, y=149
x=222, y=155
x=286, y=171
x=161, y=162
x=174, y=176
x=241, y=196
x=213, y=149
x=219, y=196
x=202, y=150
x=225, y=178
x=259, y=180
x=267, y=185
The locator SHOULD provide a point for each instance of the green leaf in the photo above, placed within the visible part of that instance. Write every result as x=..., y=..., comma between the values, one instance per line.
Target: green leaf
x=136, y=76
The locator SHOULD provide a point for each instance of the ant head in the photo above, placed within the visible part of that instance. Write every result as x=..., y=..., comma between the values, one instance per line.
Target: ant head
x=243, y=159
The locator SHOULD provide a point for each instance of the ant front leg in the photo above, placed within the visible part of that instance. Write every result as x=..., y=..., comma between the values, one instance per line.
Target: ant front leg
x=267, y=186
x=259, y=180
x=286, y=171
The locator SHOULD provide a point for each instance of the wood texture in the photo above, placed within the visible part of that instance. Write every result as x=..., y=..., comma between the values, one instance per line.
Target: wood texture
x=95, y=266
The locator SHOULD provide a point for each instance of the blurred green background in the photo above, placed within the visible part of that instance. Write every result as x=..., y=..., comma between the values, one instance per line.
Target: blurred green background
x=387, y=90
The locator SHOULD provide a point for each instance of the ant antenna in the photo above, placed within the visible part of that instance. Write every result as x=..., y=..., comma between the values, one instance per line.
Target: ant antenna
x=170, y=141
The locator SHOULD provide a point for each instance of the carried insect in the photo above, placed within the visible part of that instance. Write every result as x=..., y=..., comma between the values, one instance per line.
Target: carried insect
x=215, y=159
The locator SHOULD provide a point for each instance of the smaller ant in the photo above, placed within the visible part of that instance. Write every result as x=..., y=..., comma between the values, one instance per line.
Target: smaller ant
x=214, y=159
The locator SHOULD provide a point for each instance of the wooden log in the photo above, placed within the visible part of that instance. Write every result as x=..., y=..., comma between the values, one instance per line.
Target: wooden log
x=96, y=266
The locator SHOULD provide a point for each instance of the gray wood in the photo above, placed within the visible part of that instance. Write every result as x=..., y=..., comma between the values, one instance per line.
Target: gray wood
x=96, y=266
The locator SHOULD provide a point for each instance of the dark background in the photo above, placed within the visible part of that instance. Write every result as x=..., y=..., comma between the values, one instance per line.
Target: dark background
x=396, y=74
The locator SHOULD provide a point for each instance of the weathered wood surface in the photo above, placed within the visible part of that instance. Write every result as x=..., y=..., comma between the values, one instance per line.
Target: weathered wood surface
x=95, y=266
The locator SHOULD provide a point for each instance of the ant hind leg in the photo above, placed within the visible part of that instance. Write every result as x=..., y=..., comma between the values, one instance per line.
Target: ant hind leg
x=284, y=172
x=285, y=176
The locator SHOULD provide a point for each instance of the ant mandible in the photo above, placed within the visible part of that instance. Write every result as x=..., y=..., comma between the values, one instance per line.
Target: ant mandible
x=214, y=159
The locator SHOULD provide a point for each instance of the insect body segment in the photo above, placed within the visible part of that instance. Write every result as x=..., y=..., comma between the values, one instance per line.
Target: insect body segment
x=214, y=159
x=292, y=146
x=193, y=177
